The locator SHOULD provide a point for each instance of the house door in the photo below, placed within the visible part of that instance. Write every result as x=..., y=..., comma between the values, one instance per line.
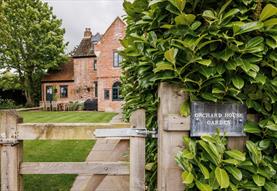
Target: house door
x=49, y=93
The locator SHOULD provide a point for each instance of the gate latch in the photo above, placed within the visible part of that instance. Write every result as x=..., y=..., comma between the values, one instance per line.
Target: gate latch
x=124, y=132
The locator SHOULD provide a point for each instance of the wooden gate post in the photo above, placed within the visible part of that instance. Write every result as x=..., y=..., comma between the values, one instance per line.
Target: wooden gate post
x=171, y=129
x=11, y=152
x=137, y=153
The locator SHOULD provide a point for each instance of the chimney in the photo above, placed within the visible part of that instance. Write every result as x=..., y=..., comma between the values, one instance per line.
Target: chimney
x=87, y=33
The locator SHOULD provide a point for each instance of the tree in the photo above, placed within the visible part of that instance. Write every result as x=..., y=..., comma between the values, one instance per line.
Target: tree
x=9, y=81
x=31, y=42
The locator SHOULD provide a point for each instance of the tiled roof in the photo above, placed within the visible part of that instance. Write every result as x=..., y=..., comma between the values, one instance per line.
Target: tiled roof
x=96, y=38
x=85, y=49
x=86, y=46
x=65, y=73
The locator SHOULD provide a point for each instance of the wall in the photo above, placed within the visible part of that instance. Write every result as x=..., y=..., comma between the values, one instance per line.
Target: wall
x=106, y=73
x=84, y=77
x=70, y=94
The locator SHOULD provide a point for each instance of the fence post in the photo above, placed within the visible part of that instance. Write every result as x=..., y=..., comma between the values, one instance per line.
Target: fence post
x=171, y=129
x=137, y=153
x=11, y=152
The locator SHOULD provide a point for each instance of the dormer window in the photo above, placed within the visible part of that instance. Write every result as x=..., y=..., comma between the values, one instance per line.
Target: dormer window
x=116, y=59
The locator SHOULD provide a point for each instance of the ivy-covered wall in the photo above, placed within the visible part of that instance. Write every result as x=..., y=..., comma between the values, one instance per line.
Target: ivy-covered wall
x=217, y=51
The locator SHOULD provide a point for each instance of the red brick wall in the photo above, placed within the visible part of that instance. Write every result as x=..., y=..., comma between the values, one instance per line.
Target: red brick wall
x=70, y=93
x=106, y=73
x=84, y=77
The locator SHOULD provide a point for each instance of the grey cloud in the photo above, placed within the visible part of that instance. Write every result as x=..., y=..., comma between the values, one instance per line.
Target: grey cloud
x=77, y=15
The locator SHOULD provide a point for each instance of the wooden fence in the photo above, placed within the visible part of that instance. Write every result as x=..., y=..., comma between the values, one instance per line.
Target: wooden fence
x=172, y=128
x=13, y=132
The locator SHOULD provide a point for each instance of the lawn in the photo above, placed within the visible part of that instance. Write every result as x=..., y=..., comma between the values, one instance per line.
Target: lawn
x=57, y=151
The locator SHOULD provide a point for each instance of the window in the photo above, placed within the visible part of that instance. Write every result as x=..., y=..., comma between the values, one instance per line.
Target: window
x=95, y=65
x=116, y=92
x=63, y=91
x=49, y=93
x=116, y=59
x=95, y=89
x=106, y=94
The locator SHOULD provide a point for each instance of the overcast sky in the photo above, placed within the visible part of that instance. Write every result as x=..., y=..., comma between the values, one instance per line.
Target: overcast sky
x=79, y=14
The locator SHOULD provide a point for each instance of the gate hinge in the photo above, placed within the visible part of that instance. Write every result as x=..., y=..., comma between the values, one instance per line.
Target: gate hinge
x=11, y=142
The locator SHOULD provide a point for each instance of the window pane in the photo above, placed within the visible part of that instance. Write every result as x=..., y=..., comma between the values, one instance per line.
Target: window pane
x=49, y=93
x=63, y=91
x=115, y=59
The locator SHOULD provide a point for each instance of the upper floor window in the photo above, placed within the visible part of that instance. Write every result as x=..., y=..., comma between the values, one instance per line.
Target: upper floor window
x=64, y=91
x=116, y=59
x=95, y=65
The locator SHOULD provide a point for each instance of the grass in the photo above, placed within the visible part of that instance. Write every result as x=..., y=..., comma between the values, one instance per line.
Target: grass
x=57, y=151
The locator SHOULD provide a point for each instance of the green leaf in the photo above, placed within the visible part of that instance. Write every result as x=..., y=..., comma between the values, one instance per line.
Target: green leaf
x=224, y=7
x=185, y=109
x=259, y=180
x=162, y=66
x=187, y=177
x=153, y=2
x=195, y=25
x=225, y=55
x=179, y=4
x=205, y=62
x=203, y=187
x=255, y=154
x=251, y=127
x=272, y=127
x=271, y=22
x=235, y=172
x=248, y=27
x=208, y=14
x=238, y=82
x=268, y=11
x=204, y=171
x=170, y=55
x=185, y=19
x=187, y=154
x=222, y=177
x=264, y=144
x=149, y=166
x=270, y=186
x=231, y=161
x=209, y=97
x=235, y=154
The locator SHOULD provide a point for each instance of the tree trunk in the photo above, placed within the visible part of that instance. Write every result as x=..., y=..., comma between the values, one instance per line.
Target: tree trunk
x=29, y=91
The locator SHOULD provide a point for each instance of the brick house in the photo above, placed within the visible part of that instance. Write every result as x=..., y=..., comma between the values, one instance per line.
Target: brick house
x=93, y=72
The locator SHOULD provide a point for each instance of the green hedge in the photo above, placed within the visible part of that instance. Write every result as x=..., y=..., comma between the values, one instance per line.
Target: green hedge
x=217, y=51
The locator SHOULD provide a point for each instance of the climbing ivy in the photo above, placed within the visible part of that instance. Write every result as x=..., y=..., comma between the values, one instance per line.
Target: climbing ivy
x=217, y=51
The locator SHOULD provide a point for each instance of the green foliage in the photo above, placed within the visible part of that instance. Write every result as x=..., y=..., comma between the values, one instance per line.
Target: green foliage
x=7, y=104
x=9, y=81
x=31, y=41
x=217, y=51
x=207, y=164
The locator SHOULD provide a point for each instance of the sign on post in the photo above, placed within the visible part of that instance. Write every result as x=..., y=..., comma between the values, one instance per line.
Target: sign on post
x=228, y=117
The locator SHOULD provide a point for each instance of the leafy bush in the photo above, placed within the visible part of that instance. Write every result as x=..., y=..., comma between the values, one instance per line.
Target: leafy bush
x=76, y=106
x=207, y=164
x=216, y=50
x=7, y=104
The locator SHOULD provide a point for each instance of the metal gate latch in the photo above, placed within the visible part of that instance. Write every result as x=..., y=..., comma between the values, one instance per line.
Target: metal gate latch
x=124, y=132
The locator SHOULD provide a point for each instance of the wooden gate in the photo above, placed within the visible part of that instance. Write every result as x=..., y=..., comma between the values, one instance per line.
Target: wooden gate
x=106, y=169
